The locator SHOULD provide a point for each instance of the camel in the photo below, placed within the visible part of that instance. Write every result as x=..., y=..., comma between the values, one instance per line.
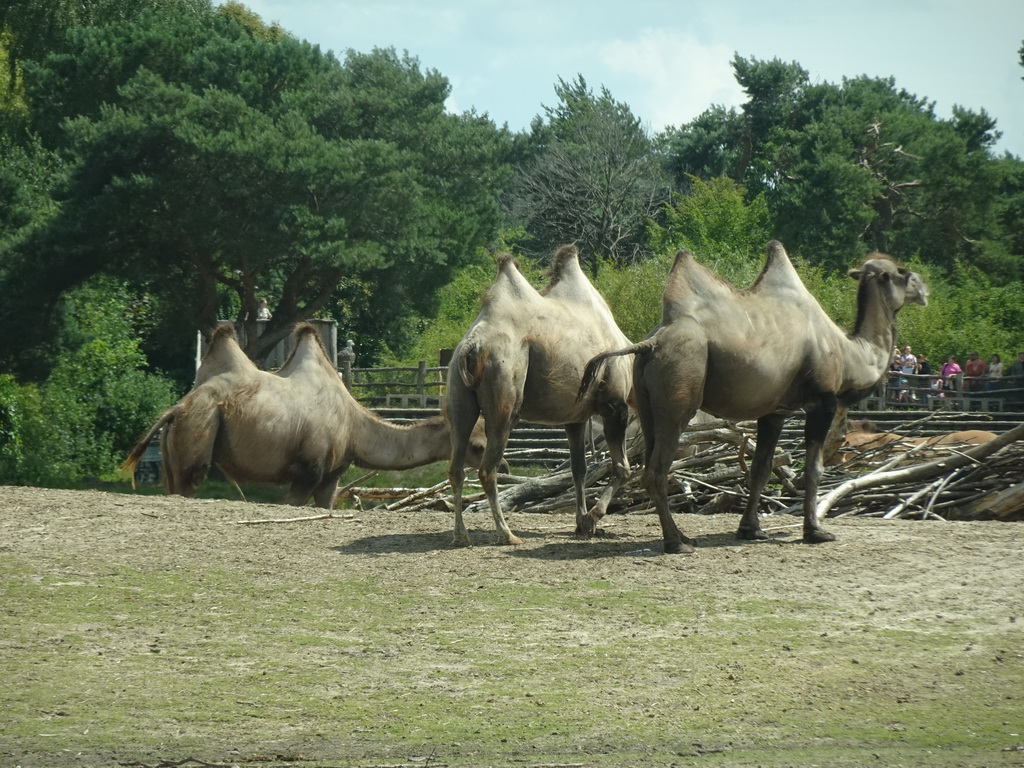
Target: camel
x=299, y=426
x=522, y=358
x=759, y=353
x=864, y=435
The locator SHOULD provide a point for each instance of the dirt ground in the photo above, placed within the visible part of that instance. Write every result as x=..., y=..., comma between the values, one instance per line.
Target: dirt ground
x=906, y=571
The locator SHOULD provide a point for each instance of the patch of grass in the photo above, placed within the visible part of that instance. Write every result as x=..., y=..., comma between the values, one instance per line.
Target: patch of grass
x=560, y=670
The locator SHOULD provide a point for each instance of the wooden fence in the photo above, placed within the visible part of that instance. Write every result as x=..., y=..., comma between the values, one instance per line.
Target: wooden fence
x=901, y=391
x=419, y=387
x=423, y=387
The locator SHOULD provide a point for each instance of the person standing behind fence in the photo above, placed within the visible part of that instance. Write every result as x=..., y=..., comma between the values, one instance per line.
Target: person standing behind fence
x=909, y=368
x=950, y=370
x=994, y=373
x=924, y=368
x=974, y=369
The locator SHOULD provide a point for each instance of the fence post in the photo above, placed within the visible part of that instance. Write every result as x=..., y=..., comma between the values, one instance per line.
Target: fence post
x=421, y=380
x=346, y=373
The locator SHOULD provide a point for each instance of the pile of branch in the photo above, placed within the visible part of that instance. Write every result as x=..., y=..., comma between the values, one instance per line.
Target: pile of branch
x=711, y=473
x=984, y=482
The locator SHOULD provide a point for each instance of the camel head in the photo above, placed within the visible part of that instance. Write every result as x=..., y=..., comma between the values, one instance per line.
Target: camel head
x=898, y=286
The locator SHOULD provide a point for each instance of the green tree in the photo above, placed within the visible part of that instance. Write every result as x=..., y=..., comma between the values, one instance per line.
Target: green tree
x=853, y=167
x=716, y=223
x=594, y=181
x=214, y=165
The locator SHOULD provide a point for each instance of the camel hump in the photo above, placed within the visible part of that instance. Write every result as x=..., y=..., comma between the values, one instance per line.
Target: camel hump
x=507, y=261
x=304, y=330
x=223, y=354
x=778, y=271
x=683, y=255
x=222, y=331
x=566, y=256
x=690, y=281
x=566, y=279
x=509, y=284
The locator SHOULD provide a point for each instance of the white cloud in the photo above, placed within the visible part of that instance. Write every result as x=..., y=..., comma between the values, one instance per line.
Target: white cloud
x=673, y=76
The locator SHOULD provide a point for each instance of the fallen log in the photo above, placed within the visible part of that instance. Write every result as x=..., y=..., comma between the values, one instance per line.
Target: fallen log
x=1006, y=505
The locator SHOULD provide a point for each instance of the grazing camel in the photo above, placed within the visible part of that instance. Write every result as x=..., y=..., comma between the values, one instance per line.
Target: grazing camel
x=760, y=353
x=298, y=426
x=522, y=358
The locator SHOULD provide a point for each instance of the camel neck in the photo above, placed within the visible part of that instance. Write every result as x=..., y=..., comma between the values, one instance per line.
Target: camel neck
x=875, y=327
x=385, y=445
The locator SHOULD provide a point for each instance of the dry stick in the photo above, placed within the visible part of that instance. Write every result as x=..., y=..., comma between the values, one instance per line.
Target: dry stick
x=416, y=496
x=898, y=509
x=344, y=490
x=379, y=494
x=327, y=516
x=928, y=510
x=919, y=471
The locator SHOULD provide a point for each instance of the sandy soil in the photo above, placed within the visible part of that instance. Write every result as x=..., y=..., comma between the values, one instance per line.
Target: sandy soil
x=906, y=569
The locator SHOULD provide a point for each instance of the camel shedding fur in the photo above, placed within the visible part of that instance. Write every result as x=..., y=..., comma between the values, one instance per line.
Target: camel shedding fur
x=298, y=427
x=761, y=353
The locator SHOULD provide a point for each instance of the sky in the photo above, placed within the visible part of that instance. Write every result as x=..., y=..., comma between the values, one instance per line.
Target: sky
x=669, y=60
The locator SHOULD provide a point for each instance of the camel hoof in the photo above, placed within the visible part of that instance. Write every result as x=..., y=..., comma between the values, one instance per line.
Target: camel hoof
x=751, y=534
x=587, y=528
x=462, y=541
x=818, y=536
x=510, y=539
x=684, y=547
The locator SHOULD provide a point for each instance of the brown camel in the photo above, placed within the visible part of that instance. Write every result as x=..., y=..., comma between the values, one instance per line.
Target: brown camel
x=760, y=353
x=299, y=426
x=522, y=358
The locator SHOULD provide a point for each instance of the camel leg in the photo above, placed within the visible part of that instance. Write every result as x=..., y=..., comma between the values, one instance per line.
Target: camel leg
x=187, y=455
x=615, y=424
x=578, y=464
x=463, y=410
x=305, y=477
x=819, y=421
x=456, y=478
x=769, y=429
x=498, y=426
x=661, y=449
x=656, y=482
x=325, y=494
x=663, y=417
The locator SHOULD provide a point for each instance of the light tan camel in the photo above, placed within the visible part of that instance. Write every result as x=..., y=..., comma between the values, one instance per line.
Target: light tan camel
x=863, y=436
x=522, y=358
x=299, y=426
x=761, y=353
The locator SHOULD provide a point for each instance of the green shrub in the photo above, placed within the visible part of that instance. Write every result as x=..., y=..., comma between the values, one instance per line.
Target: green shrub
x=95, y=403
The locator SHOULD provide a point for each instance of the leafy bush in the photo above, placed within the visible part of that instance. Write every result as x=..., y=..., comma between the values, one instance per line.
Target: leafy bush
x=93, y=406
x=25, y=436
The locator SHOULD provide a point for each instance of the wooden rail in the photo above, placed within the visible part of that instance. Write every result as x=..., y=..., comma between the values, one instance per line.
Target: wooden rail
x=419, y=387
x=423, y=387
x=902, y=391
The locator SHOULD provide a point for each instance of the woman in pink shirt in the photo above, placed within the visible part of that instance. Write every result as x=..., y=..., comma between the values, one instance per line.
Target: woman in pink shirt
x=950, y=370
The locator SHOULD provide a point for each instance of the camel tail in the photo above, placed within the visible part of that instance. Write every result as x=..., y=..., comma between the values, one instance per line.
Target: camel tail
x=132, y=462
x=471, y=362
x=590, y=372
